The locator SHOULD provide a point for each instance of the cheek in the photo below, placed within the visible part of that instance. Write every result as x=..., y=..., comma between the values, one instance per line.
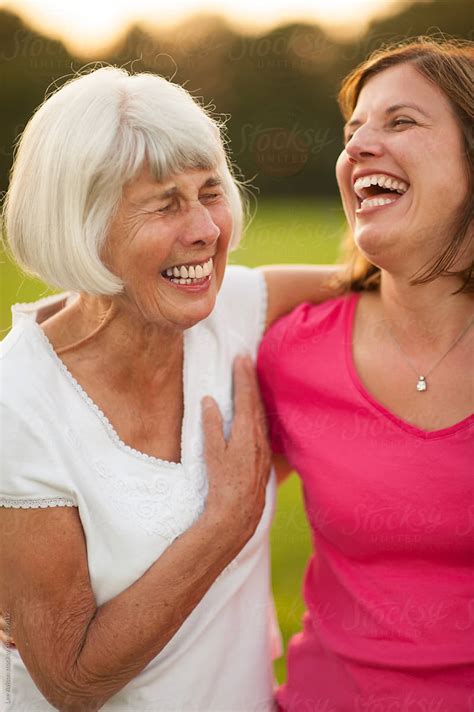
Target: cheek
x=222, y=217
x=342, y=169
x=343, y=175
x=457, y=180
x=344, y=181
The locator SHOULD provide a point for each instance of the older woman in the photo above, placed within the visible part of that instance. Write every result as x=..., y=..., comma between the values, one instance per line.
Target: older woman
x=370, y=399
x=137, y=554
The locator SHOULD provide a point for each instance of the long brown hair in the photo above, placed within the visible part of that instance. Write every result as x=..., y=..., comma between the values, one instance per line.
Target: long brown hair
x=450, y=65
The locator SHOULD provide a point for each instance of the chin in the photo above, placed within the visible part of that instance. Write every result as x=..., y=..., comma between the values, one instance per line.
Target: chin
x=376, y=243
x=199, y=313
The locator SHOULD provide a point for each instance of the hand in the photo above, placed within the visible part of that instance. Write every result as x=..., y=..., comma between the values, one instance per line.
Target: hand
x=4, y=633
x=238, y=469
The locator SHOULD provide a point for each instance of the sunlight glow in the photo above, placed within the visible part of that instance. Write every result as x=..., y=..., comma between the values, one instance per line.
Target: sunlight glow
x=87, y=25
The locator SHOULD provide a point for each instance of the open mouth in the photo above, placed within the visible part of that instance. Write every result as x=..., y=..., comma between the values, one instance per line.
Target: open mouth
x=378, y=189
x=189, y=273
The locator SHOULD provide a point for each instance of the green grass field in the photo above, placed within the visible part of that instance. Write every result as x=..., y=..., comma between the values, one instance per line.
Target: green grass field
x=296, y=231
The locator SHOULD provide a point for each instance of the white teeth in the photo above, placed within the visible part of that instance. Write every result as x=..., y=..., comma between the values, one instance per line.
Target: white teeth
x=186, y=275
x=375, y=202
x=384, y=181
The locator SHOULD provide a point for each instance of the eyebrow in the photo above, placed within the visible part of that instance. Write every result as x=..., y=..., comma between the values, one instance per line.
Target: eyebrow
x=211, y=182
x=391, y=110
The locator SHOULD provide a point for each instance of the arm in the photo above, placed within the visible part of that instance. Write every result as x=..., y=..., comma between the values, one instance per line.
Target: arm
x=289, y=285
x=282, y=468
x=78, y=654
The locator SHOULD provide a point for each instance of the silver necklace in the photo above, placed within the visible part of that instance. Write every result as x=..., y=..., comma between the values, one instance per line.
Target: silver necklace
x=422, y=383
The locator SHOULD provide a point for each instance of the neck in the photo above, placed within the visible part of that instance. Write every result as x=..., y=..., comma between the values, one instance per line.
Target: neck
x=122, y=336
x=425, y=312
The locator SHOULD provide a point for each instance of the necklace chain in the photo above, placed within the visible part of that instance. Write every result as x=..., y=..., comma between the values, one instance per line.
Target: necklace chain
x=422, y=383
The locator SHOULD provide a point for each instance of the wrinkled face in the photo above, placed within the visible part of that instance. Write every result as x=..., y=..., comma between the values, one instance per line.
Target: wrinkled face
x=402, y=175
x=168, y=243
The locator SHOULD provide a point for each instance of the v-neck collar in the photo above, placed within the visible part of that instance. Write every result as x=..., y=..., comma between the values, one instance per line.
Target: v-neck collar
x=351, y=307
x=28, y=311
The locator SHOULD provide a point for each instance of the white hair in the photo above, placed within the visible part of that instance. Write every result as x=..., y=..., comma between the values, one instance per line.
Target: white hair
x=79, y=149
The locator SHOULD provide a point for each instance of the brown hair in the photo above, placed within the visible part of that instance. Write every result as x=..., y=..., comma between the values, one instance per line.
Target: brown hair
x=450, y=65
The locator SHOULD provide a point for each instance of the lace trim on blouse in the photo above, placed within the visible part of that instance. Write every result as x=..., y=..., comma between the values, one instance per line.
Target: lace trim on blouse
x=204, y=377
x=40, y=503
x=109, y=428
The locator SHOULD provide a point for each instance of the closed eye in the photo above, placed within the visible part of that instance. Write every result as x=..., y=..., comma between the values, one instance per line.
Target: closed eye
x=400, y=122
x=210, y=197
x=170, y=207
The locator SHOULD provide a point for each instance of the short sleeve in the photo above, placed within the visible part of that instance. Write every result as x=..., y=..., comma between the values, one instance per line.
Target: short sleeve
x=33, y=472
x=242, y=307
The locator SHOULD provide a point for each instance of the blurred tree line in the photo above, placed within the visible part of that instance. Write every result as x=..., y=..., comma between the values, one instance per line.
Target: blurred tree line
x=279, y=88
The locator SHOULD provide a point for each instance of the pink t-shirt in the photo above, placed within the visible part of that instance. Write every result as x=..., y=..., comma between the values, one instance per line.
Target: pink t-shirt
x=389, y=589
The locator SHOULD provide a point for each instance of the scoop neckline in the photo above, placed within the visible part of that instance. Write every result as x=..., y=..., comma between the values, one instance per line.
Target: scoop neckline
x=98, y=412
x=388, y=414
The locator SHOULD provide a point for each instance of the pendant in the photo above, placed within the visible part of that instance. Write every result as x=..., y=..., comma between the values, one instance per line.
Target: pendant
x=421, y=385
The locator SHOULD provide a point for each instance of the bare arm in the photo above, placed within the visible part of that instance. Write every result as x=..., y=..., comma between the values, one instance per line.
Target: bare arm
x=282, y=468
x=78, y=654
x=289, y=285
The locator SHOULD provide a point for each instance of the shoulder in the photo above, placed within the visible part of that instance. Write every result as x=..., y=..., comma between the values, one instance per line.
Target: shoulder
x=242, y=283
x=27, y=381
x=241, y=308
x=34, y=471
x=311, y=319
x=17, y=356
x=24, y=357
x=20, y=376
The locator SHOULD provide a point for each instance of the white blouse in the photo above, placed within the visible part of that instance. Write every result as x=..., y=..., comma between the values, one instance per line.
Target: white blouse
x=59, y=449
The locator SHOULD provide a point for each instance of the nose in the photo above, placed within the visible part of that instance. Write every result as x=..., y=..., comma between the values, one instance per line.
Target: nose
x=199, y=228
x=364, y=143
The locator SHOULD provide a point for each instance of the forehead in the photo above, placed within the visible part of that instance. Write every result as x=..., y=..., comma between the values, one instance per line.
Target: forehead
x=145, y=186
x=402, y=84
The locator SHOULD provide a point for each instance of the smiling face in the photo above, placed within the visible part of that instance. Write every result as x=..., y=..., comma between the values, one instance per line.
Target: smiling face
x=168, y=244
x=402, y=174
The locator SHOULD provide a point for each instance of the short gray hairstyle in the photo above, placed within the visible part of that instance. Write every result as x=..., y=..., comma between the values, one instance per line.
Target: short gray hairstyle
x=83, y=144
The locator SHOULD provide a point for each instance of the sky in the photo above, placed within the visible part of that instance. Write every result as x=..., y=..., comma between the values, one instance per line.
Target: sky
x=85, y=25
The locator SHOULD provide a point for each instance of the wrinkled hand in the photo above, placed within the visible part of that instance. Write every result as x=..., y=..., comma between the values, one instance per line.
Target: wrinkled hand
x=238, y=469
x=5, y=638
